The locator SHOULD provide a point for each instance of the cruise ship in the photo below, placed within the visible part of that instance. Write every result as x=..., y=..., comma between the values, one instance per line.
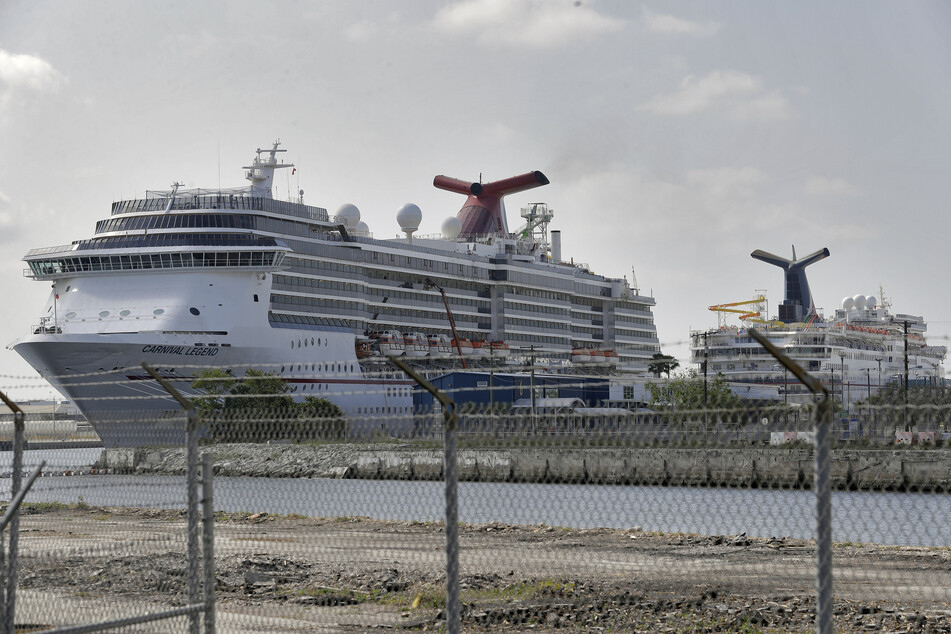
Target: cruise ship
x=856, y=351
x=186, y=279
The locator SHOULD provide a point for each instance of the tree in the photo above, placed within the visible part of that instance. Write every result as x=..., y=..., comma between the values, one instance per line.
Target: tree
x=259, y=407
x=662, y=363
x=685, y=392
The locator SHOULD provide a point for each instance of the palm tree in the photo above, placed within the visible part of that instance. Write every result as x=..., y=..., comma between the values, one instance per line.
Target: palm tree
x=662, y=363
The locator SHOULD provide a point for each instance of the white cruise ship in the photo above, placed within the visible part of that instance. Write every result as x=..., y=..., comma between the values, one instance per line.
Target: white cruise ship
x=860, y=348
x=234, y=278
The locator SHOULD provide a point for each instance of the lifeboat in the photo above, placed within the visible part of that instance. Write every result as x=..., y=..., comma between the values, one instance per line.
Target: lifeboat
x=480, y=348
x=440, y=347
x=499, y=349
x=416, y=344
x=463, y=345
x=611, y=357
x=363, y=347
x=581, y=355
x=597, y=356
x=388, y=342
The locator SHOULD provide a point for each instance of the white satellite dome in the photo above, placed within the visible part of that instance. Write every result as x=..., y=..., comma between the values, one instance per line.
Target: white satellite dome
x=451, y=227
x=409, y=216
x=848, y=303
x=362, y=229
x=859, y=302
x=870, y=301
x=349, y=215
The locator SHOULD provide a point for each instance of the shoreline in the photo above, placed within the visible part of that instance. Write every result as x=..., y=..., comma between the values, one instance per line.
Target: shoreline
x=851, y=469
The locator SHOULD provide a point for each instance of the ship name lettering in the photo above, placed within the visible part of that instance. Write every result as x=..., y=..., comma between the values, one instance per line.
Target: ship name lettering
x=189, y=351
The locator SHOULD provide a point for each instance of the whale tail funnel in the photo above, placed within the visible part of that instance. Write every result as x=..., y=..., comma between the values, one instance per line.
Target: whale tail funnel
x=798, y=304
x=484, y=211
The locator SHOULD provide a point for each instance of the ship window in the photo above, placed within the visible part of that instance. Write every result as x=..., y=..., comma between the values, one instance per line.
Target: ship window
x=70, y=315
x=194, y=311
x=104, y=313
x=255, y=297
x=158, y=311
x=292, y=345
x=125, y=313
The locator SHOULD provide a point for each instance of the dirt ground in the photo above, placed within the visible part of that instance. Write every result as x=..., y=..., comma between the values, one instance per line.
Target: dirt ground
x=284, y=574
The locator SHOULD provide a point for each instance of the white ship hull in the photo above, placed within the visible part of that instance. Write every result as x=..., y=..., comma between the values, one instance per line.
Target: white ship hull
x=106, y=381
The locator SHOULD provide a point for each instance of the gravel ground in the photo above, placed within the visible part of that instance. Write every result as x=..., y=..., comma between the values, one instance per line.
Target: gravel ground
x=355, y=574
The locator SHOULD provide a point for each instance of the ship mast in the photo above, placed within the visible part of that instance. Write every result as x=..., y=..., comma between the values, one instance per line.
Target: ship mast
x=261, y=170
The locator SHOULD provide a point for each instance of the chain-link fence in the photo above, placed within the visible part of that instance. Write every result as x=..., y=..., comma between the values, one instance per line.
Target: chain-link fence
x=572, y=516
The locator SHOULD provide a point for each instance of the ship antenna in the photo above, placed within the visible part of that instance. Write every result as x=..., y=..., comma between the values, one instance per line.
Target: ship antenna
x=637, y=289
x=881, y=293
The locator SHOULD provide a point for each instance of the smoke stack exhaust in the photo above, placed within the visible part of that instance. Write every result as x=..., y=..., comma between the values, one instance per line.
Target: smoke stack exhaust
x=484, y=211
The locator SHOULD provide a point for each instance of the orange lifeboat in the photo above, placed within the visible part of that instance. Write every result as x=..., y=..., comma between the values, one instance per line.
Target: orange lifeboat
x=463, y=345
x=416, y=343
x=388, y=342
x=440, y=347
x=581, y=355
x=499, y=349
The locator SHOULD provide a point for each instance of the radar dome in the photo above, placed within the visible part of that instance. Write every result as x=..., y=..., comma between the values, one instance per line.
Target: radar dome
x=848, y=303
x=349, y=215
x=870, y=301
x=859, y=302
x=362, y=229
x=409, y=216
x=451, y=227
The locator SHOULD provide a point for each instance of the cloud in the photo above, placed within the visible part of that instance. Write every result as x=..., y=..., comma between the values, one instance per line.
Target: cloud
x=824, y=186
x=738, y=94
x=27, y=71
x=662, y=23
x=524, y=23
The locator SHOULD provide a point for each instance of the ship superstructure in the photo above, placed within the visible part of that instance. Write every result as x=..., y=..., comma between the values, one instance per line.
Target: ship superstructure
x=235, y=278
x=859, y=349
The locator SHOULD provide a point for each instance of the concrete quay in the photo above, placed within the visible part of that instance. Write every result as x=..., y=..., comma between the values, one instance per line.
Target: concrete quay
x=766, y=467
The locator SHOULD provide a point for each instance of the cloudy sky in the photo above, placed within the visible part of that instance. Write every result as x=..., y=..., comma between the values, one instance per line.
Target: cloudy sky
x=678, y=136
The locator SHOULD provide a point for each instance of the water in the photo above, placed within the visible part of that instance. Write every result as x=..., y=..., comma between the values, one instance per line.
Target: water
x=884, y=518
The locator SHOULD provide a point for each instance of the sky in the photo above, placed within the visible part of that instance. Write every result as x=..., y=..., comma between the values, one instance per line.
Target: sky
x=678, y=136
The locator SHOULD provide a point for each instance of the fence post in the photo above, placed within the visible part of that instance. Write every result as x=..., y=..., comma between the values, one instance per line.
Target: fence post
x=191, y=488
x=451, y=422
x=16, y=479
x=822, y=484
x=208, y=540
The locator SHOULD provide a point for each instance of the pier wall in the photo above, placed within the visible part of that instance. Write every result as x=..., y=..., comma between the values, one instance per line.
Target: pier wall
x=901, y=469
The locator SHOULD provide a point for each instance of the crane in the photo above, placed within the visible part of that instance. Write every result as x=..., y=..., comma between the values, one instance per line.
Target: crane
x=452, y=322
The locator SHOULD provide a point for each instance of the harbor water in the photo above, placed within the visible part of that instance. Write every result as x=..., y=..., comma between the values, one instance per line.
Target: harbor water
x=913, y=519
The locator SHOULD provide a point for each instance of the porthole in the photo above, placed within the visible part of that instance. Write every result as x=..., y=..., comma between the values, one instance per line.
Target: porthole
x=194, y=311
x=158, y=311
x=70, y=315
x=104, y=313
x=125, y=313
x=311, y=341
x=292, y=344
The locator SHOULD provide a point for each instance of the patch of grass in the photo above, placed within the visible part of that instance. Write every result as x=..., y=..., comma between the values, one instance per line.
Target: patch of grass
x=433, y=596
x=45, y=507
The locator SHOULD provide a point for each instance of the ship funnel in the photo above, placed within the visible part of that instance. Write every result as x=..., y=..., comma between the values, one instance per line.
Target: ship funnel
x=798, y=304
x=484, y=211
